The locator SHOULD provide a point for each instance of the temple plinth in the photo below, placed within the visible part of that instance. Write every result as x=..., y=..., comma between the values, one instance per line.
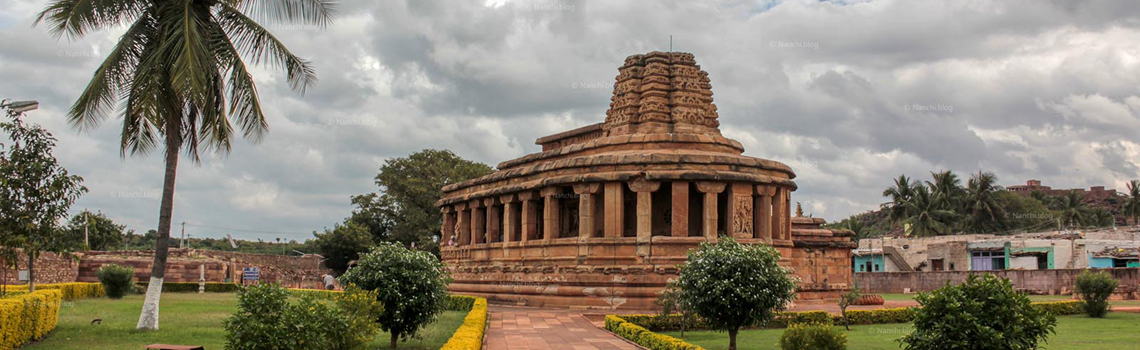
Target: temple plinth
x=604, y=214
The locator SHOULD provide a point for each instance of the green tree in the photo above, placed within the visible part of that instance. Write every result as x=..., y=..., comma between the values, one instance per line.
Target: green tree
x=848, y=299
x=1131, y=206
x=405, y=210
x=342, y=244
x=1094, y=289
x=985, y=312
x=1074, y=211
x=948, y=189
x=899, y=195
x=411, y=286
x=984, y=213
x=671, y=302
x=35, y=193
x=177, y=68
x=732, y=285
x=102, y=232
x=927, y=218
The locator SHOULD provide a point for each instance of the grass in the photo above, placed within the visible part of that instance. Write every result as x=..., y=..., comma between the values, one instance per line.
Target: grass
x=186, y=319
x=1116, y=331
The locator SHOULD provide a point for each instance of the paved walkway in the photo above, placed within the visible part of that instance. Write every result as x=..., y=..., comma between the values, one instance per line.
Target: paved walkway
x=532, y=329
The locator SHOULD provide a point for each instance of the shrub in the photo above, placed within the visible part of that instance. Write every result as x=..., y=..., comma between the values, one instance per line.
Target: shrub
x=813, y=337
x=732, y=285
x=267, y=320
x=784, y=319
x=411, y=285
x=983, y=313
x=469, y=336
x=71, y=291
x=116, y=280
x=28, y=316
x=880, y=316
x=645, y=337
x=1062, y=308
x=1094, y=289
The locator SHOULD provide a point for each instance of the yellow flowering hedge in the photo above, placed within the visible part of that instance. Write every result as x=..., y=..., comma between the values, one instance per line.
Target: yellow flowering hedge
x=469, y=336
x=316, y=293
x=27, y=317
x=71, y=291
x=645, y=337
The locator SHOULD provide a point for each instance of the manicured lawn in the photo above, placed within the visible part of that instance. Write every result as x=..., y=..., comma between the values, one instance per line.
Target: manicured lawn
x=903, y=297
x=1117, y=331
x=187, y=318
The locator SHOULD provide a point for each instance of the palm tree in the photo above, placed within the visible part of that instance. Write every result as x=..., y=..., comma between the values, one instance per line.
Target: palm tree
x=948, y=188
x=901, y=193
x=176, y=68
x=927, y=218
x=1074, y=211
x=981, y=204
x=1132, y=203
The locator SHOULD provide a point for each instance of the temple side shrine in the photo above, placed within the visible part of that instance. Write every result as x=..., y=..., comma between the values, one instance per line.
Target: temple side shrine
x=604, y=214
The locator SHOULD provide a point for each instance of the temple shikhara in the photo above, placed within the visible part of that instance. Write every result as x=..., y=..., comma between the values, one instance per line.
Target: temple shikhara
x=604, y=214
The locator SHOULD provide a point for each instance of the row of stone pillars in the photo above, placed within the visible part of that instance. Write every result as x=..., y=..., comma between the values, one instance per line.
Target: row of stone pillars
x=753, y=211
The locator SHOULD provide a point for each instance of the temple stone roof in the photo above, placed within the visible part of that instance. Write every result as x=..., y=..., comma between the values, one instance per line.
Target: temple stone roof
x=661, y=92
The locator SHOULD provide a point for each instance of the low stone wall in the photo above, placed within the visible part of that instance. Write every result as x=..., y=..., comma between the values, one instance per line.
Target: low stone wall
x=1054, y=282
x=183, y=266
x=50, y=268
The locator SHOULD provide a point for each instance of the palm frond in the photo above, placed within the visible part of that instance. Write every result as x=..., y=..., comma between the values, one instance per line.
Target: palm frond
x=113, y=75
x=76, y=17
x=256, y=42
x=314, y=12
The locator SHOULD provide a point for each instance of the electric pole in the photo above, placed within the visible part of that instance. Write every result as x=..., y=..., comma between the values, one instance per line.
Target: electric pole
x=182, y=243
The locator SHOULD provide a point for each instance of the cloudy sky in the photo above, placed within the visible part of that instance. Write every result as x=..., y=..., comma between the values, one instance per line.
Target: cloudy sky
x=849, y=94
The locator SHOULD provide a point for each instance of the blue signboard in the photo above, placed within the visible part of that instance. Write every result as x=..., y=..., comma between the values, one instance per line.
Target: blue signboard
x=251, y=273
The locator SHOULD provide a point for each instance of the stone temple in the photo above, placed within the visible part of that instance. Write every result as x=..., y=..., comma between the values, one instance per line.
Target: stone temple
x=604, y=214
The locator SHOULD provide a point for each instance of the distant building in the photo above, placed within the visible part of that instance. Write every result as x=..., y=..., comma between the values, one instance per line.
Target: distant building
x=1033, y=251
x=1093, y=194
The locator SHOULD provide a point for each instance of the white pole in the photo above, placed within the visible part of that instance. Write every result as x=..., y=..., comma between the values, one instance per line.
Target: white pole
x=86, y=242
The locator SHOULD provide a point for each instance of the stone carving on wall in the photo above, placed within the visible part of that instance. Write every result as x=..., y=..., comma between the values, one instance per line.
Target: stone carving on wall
x=742, y=215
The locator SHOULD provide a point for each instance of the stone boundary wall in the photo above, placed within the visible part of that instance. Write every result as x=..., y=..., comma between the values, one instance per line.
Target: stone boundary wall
x=50, y=268
x=1053, y=282
x=182, y=266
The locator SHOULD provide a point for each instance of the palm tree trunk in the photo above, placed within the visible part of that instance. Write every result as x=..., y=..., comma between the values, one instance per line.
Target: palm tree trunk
x=31, y=273
x=148, y=319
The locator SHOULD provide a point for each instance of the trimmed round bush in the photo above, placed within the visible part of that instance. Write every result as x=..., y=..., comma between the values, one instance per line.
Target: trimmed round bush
x=813, y=337
x=1094, y=289
x=985, y=312
x=116, y=280
x=411, y=286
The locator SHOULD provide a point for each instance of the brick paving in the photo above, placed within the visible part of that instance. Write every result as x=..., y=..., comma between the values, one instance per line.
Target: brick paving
x=532, y=329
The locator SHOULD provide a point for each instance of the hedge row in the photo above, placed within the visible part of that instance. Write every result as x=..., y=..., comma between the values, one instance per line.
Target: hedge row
x=28, y=317
x=192, y=287
x=645, y=337
x=659, y=323
x=70, y=291
x=316, y=293
x=453, y=303
x=469, y=336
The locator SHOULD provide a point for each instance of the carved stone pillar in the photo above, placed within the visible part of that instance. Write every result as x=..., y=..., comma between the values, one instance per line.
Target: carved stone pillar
x=788, y=214
x=740, y=210
x=763, y=212
x=710, y=189
x=779, y=213
x=680, y=219
x=464, y=224
x=529, y=215
x=446, y=227
x=644, y=190
x=478, y=222
x=493, y=217
x=509, y=215
x=551, y=213
x=586, y=205
x=615, y=219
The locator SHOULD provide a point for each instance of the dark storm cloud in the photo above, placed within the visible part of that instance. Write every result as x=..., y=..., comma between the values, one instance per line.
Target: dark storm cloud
x=849, y=93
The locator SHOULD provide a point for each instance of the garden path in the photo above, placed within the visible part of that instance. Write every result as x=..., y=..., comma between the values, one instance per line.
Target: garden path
x=531, y=329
